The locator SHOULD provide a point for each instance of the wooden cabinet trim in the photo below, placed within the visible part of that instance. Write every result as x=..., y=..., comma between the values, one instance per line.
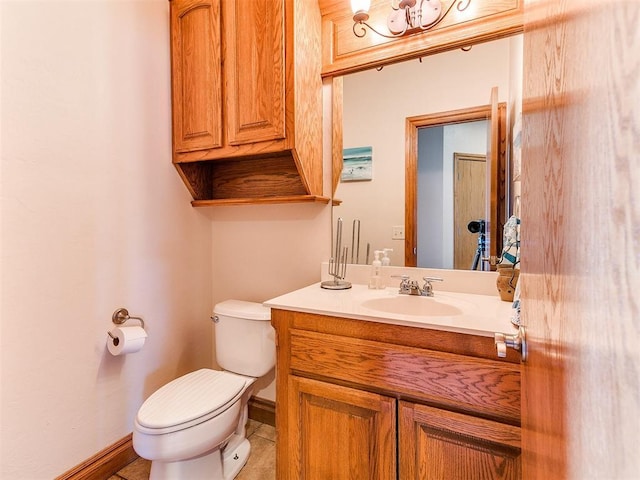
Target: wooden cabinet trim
x=439, y=340
x=484, y=387
x=430, y=439
x=343, y=52
x=447, y=421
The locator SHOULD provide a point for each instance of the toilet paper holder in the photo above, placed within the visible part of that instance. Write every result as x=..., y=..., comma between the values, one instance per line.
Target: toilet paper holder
x=121, y=315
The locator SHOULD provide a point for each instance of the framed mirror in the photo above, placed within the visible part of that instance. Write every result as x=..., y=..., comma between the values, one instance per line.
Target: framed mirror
x=378, y=107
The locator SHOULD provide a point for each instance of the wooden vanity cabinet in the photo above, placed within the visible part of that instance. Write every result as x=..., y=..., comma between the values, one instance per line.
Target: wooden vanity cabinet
x=436, y=444
x=340, y=432
x=247, y=128
x=367, y=400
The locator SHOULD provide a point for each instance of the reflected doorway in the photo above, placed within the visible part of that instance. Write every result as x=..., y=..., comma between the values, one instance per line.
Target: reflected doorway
x=431, y=226
x=451, y=184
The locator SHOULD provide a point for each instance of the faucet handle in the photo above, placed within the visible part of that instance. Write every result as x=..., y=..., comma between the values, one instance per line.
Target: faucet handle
x=404, y=282
x=433, y=279
x=428, y=288
x=404, y=279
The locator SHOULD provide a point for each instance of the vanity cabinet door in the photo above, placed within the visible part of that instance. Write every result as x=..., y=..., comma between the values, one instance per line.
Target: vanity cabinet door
x=340, y=433
x=437, y=444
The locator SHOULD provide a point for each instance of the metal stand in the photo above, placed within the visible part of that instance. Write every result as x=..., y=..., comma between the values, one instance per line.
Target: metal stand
x=338, y=264
x=482, y=241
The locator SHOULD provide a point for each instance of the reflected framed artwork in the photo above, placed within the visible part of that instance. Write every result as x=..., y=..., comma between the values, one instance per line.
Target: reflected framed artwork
x=357, y=164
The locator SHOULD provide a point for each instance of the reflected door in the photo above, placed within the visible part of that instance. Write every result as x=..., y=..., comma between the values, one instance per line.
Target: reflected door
x=469, y=190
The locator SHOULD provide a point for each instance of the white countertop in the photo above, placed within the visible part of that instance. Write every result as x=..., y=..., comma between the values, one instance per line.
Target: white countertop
x=478, y=314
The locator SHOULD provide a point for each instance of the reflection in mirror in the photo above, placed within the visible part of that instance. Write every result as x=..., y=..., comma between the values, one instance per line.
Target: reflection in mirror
x=376, y=107
x=451, y=186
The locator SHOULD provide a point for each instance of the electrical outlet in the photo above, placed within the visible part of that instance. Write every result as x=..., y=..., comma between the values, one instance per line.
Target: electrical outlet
x=397, y=232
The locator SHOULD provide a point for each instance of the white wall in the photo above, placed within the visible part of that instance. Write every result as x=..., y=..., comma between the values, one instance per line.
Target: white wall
x=94, y=217
x=376, y=105
x=260, y=252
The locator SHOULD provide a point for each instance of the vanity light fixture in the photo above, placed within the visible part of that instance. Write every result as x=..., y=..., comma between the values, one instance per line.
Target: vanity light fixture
x=406, y=17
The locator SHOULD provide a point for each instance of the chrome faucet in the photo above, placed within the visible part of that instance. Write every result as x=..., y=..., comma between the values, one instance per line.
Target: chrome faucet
x=411, y=287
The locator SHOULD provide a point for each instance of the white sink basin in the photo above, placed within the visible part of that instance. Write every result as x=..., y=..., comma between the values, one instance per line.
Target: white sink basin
x=412, y=305
x=451, y=311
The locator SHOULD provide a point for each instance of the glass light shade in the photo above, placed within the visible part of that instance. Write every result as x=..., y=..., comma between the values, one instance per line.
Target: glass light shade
x=360, y=6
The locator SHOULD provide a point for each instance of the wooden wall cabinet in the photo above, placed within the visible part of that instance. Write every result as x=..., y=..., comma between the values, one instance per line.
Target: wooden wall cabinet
x=370, y=400
x=247, y=100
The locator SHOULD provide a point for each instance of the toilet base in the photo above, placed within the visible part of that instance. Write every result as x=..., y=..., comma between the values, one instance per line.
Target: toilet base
x=215, y=465
x=235, y=456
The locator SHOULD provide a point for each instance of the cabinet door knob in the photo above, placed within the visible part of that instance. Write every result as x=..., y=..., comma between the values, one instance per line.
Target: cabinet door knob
x=517, y=342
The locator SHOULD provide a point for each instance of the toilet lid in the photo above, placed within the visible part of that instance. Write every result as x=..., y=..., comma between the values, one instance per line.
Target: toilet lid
x=190, y=397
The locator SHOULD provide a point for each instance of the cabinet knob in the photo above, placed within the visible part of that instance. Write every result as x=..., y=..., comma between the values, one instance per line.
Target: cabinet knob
x=517, y=342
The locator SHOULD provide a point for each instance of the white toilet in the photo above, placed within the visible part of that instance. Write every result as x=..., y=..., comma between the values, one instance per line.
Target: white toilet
x=194, y=427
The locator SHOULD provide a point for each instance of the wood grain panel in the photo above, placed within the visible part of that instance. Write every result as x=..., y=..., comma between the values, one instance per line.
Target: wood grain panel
x=254, y=70
x=334, y=390
x=438, y=340
x=343, y=52
x=475, y=385
x=493, y=152
x=340, y=432
x=284, y=455
x=243, y=178
x=337, y=131
x=469, y=190
x=270, y=63
x=439, y=445
x=278, y=199
x=196, y=78
x=256, y=178
x=304, y=90
x=580, y=215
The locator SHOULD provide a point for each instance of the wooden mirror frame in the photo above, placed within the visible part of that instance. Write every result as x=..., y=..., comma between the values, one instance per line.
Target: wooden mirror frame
x=498, y=173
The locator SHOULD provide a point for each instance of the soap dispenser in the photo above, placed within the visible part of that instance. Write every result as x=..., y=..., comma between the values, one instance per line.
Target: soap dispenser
x=386, y=261
x=375, y=282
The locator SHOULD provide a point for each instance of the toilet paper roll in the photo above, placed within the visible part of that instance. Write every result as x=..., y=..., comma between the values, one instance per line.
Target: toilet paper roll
x=126, y=340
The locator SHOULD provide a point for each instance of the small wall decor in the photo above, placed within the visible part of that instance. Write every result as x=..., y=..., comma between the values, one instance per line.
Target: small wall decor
x=357, y=164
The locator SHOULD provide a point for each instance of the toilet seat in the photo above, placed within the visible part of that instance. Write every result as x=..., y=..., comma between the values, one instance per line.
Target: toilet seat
x=189, y=400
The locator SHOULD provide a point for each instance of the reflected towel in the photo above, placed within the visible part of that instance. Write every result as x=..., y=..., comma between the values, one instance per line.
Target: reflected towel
x=511, y=243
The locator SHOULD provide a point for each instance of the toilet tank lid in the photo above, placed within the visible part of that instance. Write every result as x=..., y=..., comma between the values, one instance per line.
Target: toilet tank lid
x=242, y=309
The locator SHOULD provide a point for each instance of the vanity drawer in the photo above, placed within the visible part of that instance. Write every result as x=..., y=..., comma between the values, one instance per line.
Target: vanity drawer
x=457, y=382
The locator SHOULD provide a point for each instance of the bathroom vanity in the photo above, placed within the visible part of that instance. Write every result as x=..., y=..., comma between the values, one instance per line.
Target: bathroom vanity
x=370, y=385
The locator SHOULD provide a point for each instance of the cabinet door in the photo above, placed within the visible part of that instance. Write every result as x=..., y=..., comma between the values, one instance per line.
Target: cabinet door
x=437, y=444
x=254, y=70
x=196, y=74
x=340, y=433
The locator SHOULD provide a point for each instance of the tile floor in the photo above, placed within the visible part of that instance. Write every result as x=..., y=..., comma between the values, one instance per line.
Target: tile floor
x=260, y=466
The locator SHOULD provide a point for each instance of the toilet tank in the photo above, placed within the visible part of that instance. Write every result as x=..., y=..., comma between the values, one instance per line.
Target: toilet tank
x=244, y=337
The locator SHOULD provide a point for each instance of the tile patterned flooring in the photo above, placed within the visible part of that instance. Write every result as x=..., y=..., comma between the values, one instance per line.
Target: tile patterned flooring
x=260, y=466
